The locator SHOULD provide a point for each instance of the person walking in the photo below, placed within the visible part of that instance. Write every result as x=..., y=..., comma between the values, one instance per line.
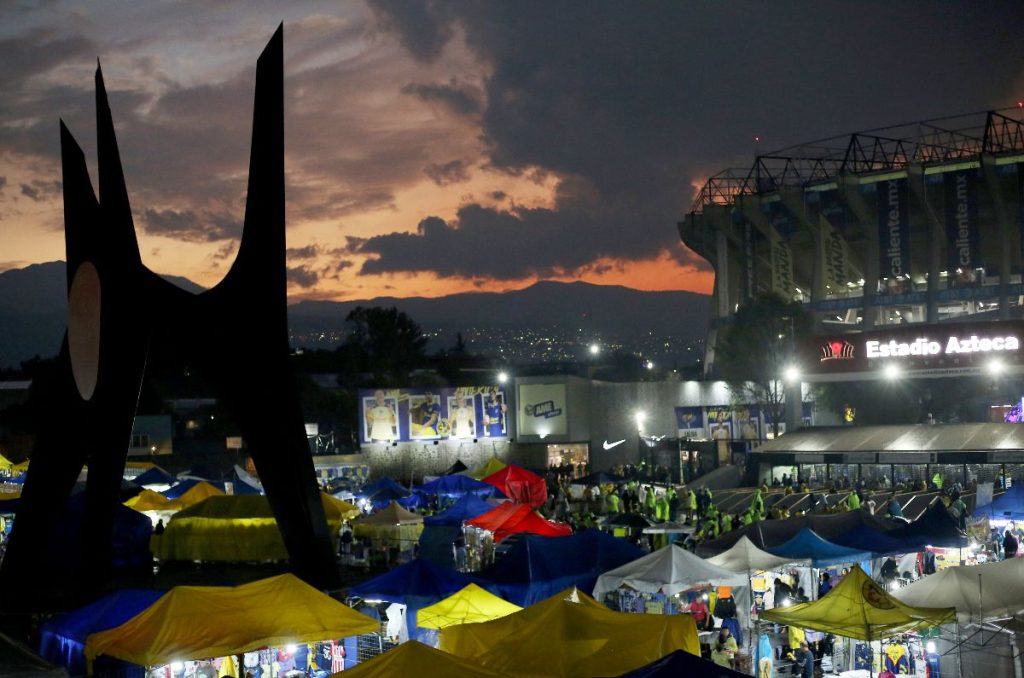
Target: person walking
x=725, y=648
x=804, y=661
x=1009, y=545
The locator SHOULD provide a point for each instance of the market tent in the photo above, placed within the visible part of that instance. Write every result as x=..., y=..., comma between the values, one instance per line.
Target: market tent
x=180, y=488
x=536, y=567
x=769, y=533
x=244, y=482
x=416, y=659
x=17, y=661
x=197, y=622
x=370, y=489
x=457, y=467
x=148, y=500
x=131, y=536
x=9, y=502
x=935, y=527
x=570, y=634
x=807, y=545
x=154, y=476
x=385, y=495
x=492, y=466
x=859, y=608
x=235, y=528
x=195, y=494
x=865, y=538
x=390, y=526
x=508, y=518
x=418, y=578
x=680, y=663
x=466, y=508
x=669, y=570
x=520, y=485
x=744, y=556
x=5, y=464
x=1009, y=505
x=457, y=486
x=467, y=606
x=62, y=639
x=978, y=592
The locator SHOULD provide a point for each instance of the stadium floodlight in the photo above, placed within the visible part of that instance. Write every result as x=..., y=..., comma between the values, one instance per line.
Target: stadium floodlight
x=502, y=377
x=994, y=367
x=791, y=374
x=594, y=349
x=640, y=416
x=892, y=372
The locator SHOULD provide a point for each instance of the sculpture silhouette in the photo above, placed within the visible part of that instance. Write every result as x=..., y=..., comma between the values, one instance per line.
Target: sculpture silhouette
x=120, y=314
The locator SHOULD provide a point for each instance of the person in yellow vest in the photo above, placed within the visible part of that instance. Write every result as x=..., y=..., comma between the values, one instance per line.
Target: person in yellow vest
x=614, y=506
x=746, y=518
x=661, y=508
x=937, y=481
x=726, y=523
x=853, y=501
x=710, y=528
x=649, y=501
x=691, y=505
x=757, y=504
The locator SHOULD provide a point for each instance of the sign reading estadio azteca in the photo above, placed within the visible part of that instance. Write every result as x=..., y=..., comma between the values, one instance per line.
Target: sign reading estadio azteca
x=937, y=348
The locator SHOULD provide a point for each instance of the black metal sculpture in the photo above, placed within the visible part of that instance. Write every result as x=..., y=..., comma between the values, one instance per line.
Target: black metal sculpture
x=120, y=314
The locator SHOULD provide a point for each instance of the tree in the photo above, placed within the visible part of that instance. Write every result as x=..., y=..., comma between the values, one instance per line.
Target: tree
x=391, y=342
x=755, y=349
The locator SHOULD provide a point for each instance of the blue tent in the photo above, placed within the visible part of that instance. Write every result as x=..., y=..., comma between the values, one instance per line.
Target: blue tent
x=807, y=544
x=539, y=567
x=130, y=541
x=62, y=640
x=466, y=508
x=241, y=486
x=865, y=538
x=154, y=476
x=1009, y=505
x=384, y=496
x=682, y=663
x=458, y=486
x=186, y=485
x=935, y=527
x=377, y=485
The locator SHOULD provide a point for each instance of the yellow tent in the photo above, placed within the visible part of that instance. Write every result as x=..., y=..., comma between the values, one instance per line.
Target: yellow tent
x=18, y=469
x=860, y=608
x=148, y=500
x=470, y=605
x=195, y=494
x=234, y=528
x=492, y=466
x=201, y=622
x=390, y=526
x=571, y=634
x=6, y=464
x=416, y=659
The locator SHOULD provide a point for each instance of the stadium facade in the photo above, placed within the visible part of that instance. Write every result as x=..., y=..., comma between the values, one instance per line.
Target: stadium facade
x=889, y=235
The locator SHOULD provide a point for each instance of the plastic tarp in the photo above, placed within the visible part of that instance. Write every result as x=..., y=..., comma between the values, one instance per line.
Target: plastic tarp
x=978, y=592
x=437, y=541
x=859, y=608
x=245, y=482
x=508, y=518
x=180, y=488
x=130, y=546
x=467, y=606
x=570, y=634
x=744, y=556
x=416, y=659
x=807, y=545
x=864, y=538
x=681, y=663
x=466, y=508
x=370, y=489
x=193, y=495
x=234, y=528
x=62, y=639
x=669, y=570
x=17, y=661
x=490, y=467
x=935, y=527
x=537, y=567
x=520, y=485
x=457, y=486
x=198, y=622
x=154, y=476
x=148, y=500
x=769, y=533
x=385, y=495
x=1009, y=504
x=416, y=579
x=457, y=467
x=6, y=464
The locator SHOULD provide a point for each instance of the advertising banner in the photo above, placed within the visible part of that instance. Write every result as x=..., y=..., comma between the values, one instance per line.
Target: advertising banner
x=962, y=232
x=1020, y=203
x=542, y=410
x=747, y=423
x=719, y=423
x=782, y=267
x=409, y=415
x=835, y=256
x=690, y=422
x=894, y=234
x=749, y=267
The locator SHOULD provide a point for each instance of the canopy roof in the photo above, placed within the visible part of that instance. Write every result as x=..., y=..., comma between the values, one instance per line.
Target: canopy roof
x=468, y=606
x=509, y=518
x=245, y=482
x=392, y=514
x=197, y=622
x=858, y=608
x=371, y=488
x=865, y=538
x=899, y=438
x=570, y=634
x=744, y=556
x=181, y=488
x=416, y=659
x=457, y=486
x=148, y=500
x=681, y=663
x=1008, y=505
x=17, y=661
x=520, y=485
x=668, y=570
x=418, y=578
x=808, y=545
x=255, y=508
x=935, y=527
x=537, y=567
x=492, y=466
x=196, y=493
x=154, y=476
x=457, y=467
x=769, y=533
x=977, y=592
x=466, y=508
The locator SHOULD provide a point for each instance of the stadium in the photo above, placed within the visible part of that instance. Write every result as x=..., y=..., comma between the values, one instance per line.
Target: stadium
x=885, y=236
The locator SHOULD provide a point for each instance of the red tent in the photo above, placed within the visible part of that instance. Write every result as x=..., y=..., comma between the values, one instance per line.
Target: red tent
x=520, y=485
x=509, y=518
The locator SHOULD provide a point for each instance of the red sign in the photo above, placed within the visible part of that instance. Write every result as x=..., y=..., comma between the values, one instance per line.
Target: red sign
x=837, y=350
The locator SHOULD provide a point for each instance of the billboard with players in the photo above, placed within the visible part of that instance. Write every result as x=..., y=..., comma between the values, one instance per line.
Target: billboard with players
x=410, y=415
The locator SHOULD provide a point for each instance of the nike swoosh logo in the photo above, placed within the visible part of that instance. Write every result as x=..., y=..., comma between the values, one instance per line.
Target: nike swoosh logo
x=607, y=445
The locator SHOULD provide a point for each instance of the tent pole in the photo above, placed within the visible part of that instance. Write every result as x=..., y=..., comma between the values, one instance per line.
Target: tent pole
x=959, y=651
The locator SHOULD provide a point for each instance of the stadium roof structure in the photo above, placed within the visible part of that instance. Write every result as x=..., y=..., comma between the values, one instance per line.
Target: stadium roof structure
x=939, y=141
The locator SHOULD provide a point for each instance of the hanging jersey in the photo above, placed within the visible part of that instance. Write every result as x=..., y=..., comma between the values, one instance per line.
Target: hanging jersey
x=896, y=660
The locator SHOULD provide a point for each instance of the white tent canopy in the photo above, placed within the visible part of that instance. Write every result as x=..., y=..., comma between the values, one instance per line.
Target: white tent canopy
x=669, y=570
x=745, y=557
x=990, y=591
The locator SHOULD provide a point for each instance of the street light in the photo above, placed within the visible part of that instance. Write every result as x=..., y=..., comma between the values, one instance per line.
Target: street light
x=502, y=377
x=995, y=367
x=640, y=417
x=594, y=349
x=649, y=365
x=791, y=374
x=892, y=371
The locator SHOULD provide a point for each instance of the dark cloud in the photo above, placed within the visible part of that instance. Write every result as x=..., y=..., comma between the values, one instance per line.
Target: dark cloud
x=458, y=98
x=629, y=104
x=498, y=195
x=303, y=276
x=3, y=183
x=30, y=192
x=449, y=173
x=39, y=190
x=191, y=226
x=307, y=252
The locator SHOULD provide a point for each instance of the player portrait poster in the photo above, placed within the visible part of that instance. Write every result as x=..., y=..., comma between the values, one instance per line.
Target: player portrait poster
x=425, y=416
x=461, y=415
x=494, y=409
x=433, y=414
x=380, y=417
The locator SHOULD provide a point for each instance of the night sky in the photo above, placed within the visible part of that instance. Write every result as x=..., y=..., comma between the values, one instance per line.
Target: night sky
x=436, y=147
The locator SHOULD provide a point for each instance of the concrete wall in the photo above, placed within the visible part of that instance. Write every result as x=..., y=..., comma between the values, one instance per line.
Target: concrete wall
x=407, y=462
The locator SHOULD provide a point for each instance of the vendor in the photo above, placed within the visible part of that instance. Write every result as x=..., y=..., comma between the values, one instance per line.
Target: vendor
x=723, y=652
